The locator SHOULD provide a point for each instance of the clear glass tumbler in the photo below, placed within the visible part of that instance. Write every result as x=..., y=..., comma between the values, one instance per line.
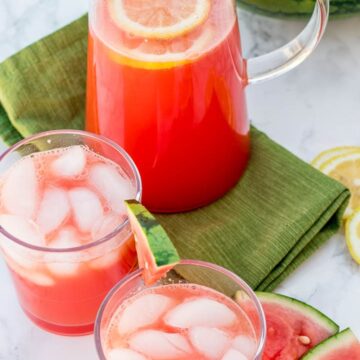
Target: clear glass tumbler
x=61, y=289
x=197, y=275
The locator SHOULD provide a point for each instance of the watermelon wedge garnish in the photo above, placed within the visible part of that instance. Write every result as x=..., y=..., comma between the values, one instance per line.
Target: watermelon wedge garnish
x=293, y=327
x=342, y=346
x=156, y=253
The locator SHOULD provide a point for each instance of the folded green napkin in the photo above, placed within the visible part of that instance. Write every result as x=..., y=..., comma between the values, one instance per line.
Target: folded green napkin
x=281, y=211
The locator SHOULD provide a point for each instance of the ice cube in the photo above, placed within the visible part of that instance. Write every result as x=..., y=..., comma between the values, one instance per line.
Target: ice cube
x=113, y=187
x=63, y=269
x=86, y=206
x=245, y=345
x=29, y=271
x=233, y=354
x=67, y=238
x=54, y=209
x=200, y=312
x=106, y=225
x=105, y=261
x=143, y=311
x=37, y=278
x=210, y=342
x=124, y=354
x=21, y=260
x=25, y=230
x=71, y=163
x=20, y=189
x=159, y=345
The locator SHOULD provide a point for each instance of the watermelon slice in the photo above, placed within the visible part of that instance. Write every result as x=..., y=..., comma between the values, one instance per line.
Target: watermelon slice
x=342, y=346
x=156, y=253
x=293, y=327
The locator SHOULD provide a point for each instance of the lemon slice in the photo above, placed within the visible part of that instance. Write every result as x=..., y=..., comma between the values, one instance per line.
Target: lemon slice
x=345, y=168
x=352, y=233
x=159, y=19
x=328, y=154
x=154, y=55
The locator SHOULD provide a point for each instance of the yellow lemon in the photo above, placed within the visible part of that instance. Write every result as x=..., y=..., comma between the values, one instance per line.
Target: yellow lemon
x=352, y=233
x=159, y=19
x=328, y=154
x=343, y=165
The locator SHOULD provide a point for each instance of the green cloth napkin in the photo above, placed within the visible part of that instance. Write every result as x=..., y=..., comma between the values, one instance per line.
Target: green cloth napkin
x=281, y=211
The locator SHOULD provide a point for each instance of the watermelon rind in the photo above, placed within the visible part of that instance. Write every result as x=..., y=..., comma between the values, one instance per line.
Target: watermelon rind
x=296, y=305
x=299, y=8
x=343, y=339
x=153, y=235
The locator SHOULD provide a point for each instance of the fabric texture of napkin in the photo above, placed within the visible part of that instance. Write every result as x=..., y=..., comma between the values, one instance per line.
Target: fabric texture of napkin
x=281, y=211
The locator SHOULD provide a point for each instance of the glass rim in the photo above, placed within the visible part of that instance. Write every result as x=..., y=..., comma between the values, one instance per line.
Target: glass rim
x=90, y=135
x=131, y=276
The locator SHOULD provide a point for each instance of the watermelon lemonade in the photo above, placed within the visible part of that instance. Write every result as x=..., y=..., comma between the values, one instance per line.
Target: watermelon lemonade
x=64, y=230
x=166, y=81
x=179, y=319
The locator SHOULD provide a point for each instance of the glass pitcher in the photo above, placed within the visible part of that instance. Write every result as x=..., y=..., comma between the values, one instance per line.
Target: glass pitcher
x=166, y=81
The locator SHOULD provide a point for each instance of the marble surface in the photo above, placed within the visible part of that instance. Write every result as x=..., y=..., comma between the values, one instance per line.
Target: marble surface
x=314, y=107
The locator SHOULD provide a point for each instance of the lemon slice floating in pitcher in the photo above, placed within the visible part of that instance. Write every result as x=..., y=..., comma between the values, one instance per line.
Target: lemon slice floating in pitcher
x=159, y=19
x=155, y=55
x=343, y=165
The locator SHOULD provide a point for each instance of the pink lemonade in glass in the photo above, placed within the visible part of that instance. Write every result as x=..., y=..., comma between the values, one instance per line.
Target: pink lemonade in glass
x=176, y=102
x=64, y=232
x=179, y=320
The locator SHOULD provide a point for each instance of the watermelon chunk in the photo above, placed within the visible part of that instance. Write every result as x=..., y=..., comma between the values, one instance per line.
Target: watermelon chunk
x=293, y=327
x=299, y=8
x=156, y=253
x=342, y=346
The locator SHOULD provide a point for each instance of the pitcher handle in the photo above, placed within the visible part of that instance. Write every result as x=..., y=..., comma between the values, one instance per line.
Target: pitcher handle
x=286, y=58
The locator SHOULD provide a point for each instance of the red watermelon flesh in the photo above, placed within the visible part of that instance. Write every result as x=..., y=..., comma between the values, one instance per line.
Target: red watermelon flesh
x=342, y=346
x=293, y=327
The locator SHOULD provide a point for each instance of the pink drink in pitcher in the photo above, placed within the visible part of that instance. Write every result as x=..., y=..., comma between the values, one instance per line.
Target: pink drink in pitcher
x=65, y=235
x=177, y=106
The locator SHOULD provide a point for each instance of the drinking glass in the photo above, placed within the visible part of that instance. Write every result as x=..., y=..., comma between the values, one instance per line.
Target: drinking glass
x=192, y=273
x=61, y=289
x=175, y=101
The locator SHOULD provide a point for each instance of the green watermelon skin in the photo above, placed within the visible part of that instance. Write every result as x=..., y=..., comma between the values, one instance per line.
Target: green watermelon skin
x=155, y=251
x=299, y=8
x=342, y=346
x=289, y=319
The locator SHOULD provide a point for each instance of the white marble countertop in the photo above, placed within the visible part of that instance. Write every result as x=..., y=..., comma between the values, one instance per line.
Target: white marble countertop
x=315, y=107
